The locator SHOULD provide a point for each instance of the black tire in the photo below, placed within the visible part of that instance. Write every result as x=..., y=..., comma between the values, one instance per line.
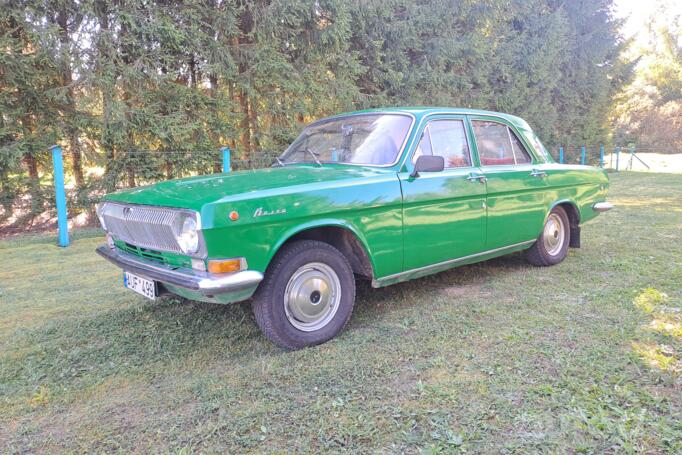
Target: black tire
x=269, y=301
x=542, y=256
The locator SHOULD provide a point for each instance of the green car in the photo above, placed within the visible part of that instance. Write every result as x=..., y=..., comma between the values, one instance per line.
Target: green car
x=383, y=195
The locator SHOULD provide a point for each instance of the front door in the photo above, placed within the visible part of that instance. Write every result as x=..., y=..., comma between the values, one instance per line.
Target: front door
x=443, y=212
x=516, y=185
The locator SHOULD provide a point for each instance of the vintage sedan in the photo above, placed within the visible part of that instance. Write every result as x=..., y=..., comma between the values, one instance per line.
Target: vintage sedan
x=383, y=195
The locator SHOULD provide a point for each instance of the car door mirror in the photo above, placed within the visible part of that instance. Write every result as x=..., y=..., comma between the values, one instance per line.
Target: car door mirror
x=428, y=163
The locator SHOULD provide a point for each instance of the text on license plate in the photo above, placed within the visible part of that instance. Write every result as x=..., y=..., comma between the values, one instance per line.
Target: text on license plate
x=140, y=285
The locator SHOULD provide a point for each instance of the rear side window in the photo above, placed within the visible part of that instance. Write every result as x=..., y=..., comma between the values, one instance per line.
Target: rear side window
x=497, y=144
x=446, y=138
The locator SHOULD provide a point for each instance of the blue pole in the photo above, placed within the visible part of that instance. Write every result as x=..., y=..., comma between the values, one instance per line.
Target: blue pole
x=226, y=158
x=561, y=155
x=617, y=158
x=582, y=155
x=601, y=156
x=60, y=195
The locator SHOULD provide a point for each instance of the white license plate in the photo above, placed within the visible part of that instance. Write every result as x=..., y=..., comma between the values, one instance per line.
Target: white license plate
x=140, y=285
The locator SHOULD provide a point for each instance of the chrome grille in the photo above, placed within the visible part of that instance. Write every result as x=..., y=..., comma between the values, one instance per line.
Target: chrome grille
x=143, y=226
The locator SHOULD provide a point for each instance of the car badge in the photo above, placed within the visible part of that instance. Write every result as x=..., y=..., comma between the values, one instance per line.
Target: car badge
x=260, y=212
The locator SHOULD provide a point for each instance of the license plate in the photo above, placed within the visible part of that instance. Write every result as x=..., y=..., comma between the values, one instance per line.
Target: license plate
x=140, y=285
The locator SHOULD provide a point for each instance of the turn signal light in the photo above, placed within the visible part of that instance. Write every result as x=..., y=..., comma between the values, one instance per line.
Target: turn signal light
x=226, y=265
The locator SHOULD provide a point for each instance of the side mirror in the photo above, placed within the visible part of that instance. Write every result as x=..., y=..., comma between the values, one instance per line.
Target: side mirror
x=428, y=163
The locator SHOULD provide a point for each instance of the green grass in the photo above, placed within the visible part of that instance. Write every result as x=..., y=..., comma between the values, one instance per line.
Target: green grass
x=583, y=357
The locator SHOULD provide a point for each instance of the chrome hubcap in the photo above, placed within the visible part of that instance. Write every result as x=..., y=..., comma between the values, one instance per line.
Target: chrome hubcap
x=553, y=235
x=312, y=296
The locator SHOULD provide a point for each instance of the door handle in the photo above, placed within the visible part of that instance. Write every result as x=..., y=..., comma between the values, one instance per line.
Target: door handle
x=537, y=173
x=480, y=177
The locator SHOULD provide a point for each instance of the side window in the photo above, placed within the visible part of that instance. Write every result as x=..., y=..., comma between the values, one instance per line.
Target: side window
x=424, y=147
x=497, y=144
x=520, y=154
x=446, y=138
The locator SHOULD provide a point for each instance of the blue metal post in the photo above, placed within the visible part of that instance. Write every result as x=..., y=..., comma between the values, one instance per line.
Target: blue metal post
x=60, y=195
x=582, y=155
x=561, y=155
x=617, y=158
x=601, y=156
x=226, y=158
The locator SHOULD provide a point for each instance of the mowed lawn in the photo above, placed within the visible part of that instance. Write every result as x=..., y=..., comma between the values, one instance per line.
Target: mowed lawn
x=495, y=357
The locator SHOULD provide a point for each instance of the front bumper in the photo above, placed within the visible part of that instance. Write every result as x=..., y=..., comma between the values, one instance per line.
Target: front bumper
x=602, y=206
x=227, y=287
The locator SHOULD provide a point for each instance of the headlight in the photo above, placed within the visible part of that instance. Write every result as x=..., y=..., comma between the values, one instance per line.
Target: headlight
x=188, y=236
x=99, y=209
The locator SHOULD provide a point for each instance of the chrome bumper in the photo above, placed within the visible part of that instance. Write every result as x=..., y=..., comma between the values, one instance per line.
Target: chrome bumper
x=208, y=284
x=602, y=206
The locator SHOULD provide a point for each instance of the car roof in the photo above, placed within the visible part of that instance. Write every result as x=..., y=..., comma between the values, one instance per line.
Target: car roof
x=422, y=111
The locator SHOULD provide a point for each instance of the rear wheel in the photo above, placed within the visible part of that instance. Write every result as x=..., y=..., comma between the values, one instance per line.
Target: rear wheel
x=307, y=295
x=551, y=247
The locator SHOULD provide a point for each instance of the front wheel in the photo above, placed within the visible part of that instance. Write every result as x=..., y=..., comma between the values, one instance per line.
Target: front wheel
x=551, y=247
x=307, y=295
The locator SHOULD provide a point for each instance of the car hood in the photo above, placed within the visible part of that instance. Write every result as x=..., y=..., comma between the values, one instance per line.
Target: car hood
x=194, y=192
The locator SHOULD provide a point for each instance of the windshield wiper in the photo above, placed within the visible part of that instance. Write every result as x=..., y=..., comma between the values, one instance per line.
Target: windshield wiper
x=319, y=163
x=280, y=162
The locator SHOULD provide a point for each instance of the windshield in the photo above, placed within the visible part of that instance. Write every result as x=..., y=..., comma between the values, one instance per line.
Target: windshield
x=373, y=139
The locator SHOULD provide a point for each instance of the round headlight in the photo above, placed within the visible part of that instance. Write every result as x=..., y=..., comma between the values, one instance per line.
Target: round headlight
x=188, y=238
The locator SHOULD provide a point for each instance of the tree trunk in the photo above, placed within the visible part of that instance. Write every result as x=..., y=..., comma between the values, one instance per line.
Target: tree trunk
x=169, y=170
x=131, y=176
x=32, y=165
x=70, y=105
x=253, y=123
x=213, y=79
x=245, y=123
x=102, y=9
x=128, y=90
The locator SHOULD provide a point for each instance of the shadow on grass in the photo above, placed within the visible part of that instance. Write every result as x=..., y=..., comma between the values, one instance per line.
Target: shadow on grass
x=369, y=301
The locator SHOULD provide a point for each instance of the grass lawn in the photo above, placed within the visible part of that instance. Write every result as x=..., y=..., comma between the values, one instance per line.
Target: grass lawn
x=495, y=357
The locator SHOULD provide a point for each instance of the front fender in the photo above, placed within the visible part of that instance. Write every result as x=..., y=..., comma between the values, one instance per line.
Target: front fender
x=322, y=223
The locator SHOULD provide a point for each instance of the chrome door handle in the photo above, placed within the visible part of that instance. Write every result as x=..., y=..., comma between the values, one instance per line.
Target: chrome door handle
x=536, y=173
x=481, y=178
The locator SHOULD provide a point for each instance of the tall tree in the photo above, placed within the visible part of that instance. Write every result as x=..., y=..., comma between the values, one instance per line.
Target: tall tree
x=150, y=89
x=649, y=110
x=29, y=108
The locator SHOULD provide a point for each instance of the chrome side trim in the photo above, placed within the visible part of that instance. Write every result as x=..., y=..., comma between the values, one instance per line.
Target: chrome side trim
x=206, y=283
x=602, y=206
x=440, y=266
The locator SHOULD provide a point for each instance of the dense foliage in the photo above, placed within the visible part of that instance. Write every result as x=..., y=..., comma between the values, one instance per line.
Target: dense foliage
x=649, y=111
x=149, y=89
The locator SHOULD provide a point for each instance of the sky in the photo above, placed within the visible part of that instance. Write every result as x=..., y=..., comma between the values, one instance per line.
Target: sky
x=638, y=11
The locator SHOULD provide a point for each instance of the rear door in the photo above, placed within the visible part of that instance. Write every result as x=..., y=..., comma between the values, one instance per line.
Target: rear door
x=443, y=212
x=516, y=183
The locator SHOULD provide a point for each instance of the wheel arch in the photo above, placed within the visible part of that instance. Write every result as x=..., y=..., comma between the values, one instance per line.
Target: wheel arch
x=571, y=209
x=338, y=233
